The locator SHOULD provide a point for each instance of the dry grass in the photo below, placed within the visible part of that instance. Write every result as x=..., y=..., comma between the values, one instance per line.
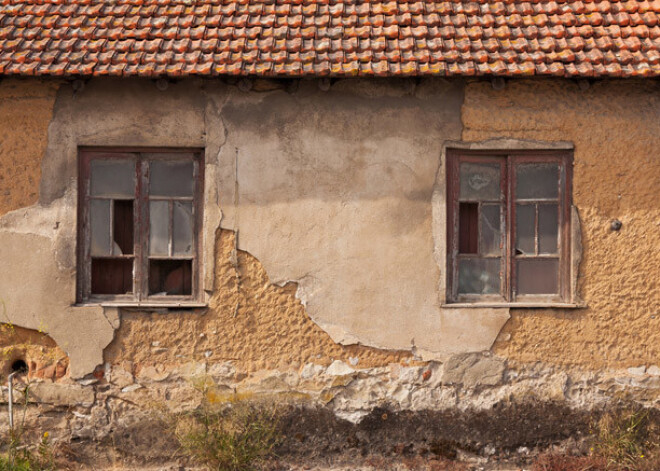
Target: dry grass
x=622, y=441
x=237, y=437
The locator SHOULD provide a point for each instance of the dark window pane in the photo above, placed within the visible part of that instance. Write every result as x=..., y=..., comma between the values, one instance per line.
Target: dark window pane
x=538, y=276
x=468, y=229
x=159, y=227
x=548, y=228
x=112, y=276
x=100, y=222
x=525, y=229
x=123, y=227
x=480, y=181
x=537, y=181
x=479, y=276
x=491, y=235
x=171, y=178
x=182, y=228
x=170, y=277
x=113, y=178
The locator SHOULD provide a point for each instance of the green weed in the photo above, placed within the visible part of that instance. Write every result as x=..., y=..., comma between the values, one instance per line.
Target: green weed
x=623, y=438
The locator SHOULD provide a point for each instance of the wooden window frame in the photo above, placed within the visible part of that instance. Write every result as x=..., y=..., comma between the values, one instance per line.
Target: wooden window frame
x=140, y=295
x=507, y=294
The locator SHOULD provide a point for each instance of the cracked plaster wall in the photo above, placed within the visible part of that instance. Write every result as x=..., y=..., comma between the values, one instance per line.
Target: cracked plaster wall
x=334, y=190
x=37, y=243
x=331, y=190
x=339, y=192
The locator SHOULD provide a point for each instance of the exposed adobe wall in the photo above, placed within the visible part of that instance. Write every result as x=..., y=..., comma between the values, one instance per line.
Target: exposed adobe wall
x=26, y=108
x=41, y=355
x=615, y=127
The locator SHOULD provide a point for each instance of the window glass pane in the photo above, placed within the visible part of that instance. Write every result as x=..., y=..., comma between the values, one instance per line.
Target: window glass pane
x=113, y=178
x=159, y=227
x=525, y=225
x=479, y=276
x=548, y=228
x=122, y=229
x=112, y=276
x=468, y=228
x=537, y=181
x=100, y=222
x=491, y=235
x=538, y=276
x=479, y=181
x=170, y=277
x=171, y=178
x=182, y=228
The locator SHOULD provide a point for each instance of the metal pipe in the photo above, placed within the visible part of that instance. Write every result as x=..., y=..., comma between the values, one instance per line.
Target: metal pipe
x=10, y=380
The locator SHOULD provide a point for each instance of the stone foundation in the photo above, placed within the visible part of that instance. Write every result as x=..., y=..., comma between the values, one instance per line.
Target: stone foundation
x=479, y=404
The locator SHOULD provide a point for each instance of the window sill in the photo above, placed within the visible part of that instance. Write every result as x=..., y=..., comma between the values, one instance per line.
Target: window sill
x=147, y=305
x=514, y=305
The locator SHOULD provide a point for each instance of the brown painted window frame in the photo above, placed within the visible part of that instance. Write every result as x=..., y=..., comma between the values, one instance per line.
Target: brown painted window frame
x=507, y=295
x=140, y=295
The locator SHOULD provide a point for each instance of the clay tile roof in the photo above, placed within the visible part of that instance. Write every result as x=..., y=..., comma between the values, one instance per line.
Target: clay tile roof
x=570, y=38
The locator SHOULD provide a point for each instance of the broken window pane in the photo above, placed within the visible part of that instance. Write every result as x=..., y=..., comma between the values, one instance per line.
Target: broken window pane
x=468, y=229
x=479, y=276
x=170, y=277
x=182, y=228
x=525, y=229
x=479, y=181
x=159, y=227
x=171, y=178
x=548, y=228
x=491, y=236
x=537, y=181
x=112, y=276
x=113, y=178
x=122, y=230
x=538, y=276
x=100, y=222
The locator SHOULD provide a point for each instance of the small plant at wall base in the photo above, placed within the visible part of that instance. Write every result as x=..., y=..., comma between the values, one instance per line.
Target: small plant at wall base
x=627, y=439
x=236, y=437
x=21, y=456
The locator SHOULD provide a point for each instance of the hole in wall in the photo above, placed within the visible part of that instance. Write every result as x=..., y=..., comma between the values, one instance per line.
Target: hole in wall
x=19, y=366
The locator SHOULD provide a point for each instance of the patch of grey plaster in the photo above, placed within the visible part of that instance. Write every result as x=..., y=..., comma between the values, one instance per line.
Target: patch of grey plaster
x=336, y=191
x=216, y=136
x=472, y=370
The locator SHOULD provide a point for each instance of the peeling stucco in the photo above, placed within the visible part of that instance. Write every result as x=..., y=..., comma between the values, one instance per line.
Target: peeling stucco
x=37, y=253
x=338, y=191
x=334, y=190
x=37, y=294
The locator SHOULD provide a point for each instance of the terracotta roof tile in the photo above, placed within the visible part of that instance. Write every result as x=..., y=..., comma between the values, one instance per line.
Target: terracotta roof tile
x=589, y=38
